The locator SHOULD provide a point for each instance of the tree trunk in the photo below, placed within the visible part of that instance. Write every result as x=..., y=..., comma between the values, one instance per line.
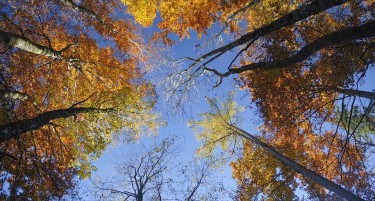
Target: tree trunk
x=22, y=43
x=15, y=129
x=313, y=176
x=140, y=196
x=301, y=13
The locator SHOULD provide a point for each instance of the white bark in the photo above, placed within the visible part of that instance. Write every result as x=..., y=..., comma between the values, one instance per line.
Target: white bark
x=22, y=43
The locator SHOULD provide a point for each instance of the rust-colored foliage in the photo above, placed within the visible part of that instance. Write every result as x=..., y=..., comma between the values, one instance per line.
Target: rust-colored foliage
x=297, y=100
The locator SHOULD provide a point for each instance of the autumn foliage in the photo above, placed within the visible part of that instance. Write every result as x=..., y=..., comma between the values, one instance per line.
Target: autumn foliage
x=81, y=56
x=296, y=101
x=71, y=82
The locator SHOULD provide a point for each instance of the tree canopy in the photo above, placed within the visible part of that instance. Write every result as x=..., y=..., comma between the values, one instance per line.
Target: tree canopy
x=74, y=78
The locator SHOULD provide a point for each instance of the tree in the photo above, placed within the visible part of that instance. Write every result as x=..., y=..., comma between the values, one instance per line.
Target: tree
x=70, y=78
x=217, y=126
x=152, y=173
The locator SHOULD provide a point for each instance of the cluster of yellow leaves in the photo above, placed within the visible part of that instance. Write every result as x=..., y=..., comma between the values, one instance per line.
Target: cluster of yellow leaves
x=267, y=11
x=179, y=16
x=143, y=11
x=214, y=130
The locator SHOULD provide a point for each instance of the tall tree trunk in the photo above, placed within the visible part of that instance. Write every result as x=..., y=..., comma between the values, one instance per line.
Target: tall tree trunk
x=22, y=43
x=353, y=92
x=15, y=129
x=301, y=13
x=313, y=176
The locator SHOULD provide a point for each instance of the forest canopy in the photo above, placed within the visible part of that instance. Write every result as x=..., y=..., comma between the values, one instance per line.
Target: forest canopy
x=77, y=76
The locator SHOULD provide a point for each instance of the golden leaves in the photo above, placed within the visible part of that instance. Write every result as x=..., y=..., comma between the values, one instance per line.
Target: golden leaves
x=143, y=11
x=180, y=17
x=269, y=10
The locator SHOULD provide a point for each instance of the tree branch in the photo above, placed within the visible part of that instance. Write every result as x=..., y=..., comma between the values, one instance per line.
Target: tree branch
x=353, y=92
x=301, y=13
x=338, y=37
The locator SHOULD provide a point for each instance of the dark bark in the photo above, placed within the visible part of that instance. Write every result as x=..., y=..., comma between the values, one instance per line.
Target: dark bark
x=140, y=196
x=23, y=43
x=195, y=188
x=301, y=13
x=335, y=38
x=353, y=92
x=16, y=129
x=313, y=176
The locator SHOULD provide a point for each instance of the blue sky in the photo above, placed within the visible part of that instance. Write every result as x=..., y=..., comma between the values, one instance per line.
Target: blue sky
x=177, y=122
